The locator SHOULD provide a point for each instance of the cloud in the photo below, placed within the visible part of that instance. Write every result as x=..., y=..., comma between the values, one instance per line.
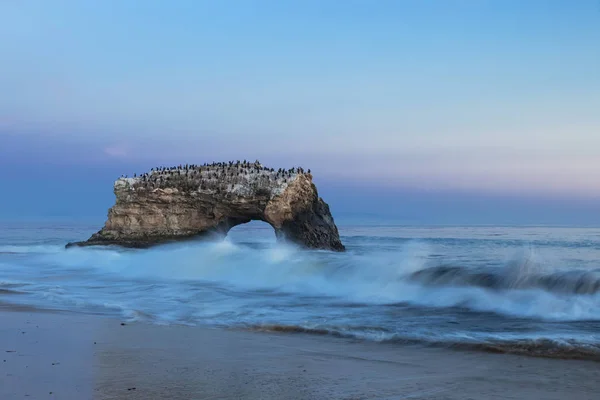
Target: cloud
x=116, y=151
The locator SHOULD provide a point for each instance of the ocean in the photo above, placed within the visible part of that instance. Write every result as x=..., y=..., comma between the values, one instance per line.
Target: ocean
x=525, y=290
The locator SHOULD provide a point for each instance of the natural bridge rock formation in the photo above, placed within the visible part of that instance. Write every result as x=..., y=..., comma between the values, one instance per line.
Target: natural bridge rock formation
x=169, y=204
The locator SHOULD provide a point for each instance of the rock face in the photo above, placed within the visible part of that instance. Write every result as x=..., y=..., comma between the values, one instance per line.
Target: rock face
x=169, y=204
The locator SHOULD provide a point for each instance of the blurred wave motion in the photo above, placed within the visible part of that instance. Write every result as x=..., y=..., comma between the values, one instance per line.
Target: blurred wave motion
x=531, y=291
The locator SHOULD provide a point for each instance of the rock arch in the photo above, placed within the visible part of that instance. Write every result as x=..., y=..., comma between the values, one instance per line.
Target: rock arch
x=159, y=207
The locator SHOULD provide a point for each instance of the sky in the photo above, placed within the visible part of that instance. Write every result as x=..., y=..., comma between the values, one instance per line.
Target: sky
x=457, y=111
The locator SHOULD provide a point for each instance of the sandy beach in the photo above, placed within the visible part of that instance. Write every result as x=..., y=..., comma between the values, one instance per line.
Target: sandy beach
x=70, y=356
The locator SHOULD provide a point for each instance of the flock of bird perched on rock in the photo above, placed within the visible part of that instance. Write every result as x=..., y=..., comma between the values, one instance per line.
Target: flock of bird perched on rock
x=216, y=176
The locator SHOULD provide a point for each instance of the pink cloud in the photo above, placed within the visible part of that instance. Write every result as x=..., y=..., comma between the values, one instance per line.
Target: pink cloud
x=116, y=151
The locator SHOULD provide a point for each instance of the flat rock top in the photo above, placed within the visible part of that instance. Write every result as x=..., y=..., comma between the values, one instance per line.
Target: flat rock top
x=235, y=178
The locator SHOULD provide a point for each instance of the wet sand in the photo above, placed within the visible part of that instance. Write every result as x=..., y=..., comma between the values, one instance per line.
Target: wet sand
x=70, y=356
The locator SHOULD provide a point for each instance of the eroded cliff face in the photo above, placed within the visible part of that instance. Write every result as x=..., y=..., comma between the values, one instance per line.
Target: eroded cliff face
x=167, y=206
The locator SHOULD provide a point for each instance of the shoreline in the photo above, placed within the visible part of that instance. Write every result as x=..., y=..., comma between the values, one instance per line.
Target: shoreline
x=76, y=356
x=540, y=348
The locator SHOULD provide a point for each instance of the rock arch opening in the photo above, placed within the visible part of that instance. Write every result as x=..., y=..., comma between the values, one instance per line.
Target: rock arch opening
x=254, y=232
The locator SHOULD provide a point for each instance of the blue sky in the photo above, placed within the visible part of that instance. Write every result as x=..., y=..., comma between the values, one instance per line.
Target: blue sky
x=472, y=101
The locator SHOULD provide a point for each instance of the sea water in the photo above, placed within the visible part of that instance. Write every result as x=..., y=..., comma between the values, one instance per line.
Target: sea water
x=528, y=290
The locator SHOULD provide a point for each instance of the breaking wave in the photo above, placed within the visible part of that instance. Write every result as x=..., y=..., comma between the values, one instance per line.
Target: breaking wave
x=561, y=282
x=406, y=293
x=521, y=287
